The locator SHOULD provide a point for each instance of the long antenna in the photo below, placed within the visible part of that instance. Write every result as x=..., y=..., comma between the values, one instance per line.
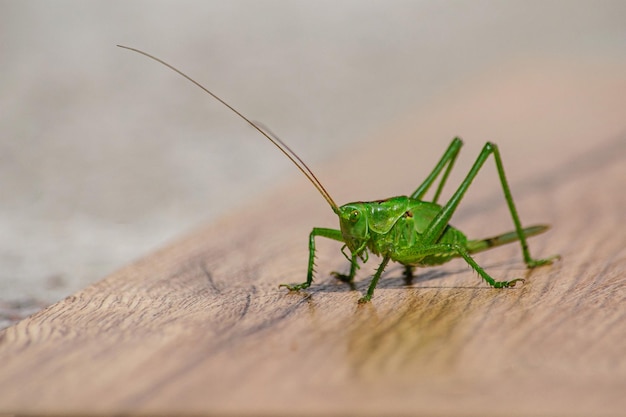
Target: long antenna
x=275, y=141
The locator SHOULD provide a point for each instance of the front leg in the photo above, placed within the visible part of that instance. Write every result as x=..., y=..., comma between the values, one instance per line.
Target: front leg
x=370, y=291
x=317, y=231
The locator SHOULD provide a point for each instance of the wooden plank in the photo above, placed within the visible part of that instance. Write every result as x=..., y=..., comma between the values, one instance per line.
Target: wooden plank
x=201, y=327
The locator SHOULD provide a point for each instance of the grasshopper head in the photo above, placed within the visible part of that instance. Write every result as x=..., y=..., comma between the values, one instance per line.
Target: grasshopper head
x=354, y=225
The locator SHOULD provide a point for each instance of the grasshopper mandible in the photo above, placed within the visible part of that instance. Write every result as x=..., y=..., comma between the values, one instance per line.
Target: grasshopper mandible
x=403, y=229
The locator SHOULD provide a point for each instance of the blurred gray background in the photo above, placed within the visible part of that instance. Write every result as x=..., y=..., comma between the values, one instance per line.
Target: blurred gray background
x=106, y=156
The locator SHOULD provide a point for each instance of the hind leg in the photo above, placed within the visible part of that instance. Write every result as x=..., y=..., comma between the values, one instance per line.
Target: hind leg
x=438, y=225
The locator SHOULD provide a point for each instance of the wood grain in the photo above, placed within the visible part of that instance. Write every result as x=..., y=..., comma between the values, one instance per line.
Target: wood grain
x=201, y=327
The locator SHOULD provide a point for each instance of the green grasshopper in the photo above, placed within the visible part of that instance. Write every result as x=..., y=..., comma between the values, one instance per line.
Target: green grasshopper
x=404, y=229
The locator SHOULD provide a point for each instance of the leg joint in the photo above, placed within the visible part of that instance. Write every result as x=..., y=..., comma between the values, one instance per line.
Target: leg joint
x=491, y=146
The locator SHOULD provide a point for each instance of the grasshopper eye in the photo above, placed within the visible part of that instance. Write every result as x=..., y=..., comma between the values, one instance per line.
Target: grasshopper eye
x=354, y=216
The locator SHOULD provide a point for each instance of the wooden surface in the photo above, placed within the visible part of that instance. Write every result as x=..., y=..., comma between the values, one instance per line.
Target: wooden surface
x=201, y=327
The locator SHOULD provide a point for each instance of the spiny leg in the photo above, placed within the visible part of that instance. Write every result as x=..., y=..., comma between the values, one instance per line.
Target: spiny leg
x=370, y=291
x=446, y=161
x=317, y=231
x=440, y=222
x=450, y=250
x=484, y=275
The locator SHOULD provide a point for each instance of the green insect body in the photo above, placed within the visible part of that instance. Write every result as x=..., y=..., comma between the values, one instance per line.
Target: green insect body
x=414, y=232
x=404, y=229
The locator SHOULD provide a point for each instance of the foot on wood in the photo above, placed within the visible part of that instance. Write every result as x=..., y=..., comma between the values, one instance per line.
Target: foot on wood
x=507, y=284
x=295, y=287
x=540, y=262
